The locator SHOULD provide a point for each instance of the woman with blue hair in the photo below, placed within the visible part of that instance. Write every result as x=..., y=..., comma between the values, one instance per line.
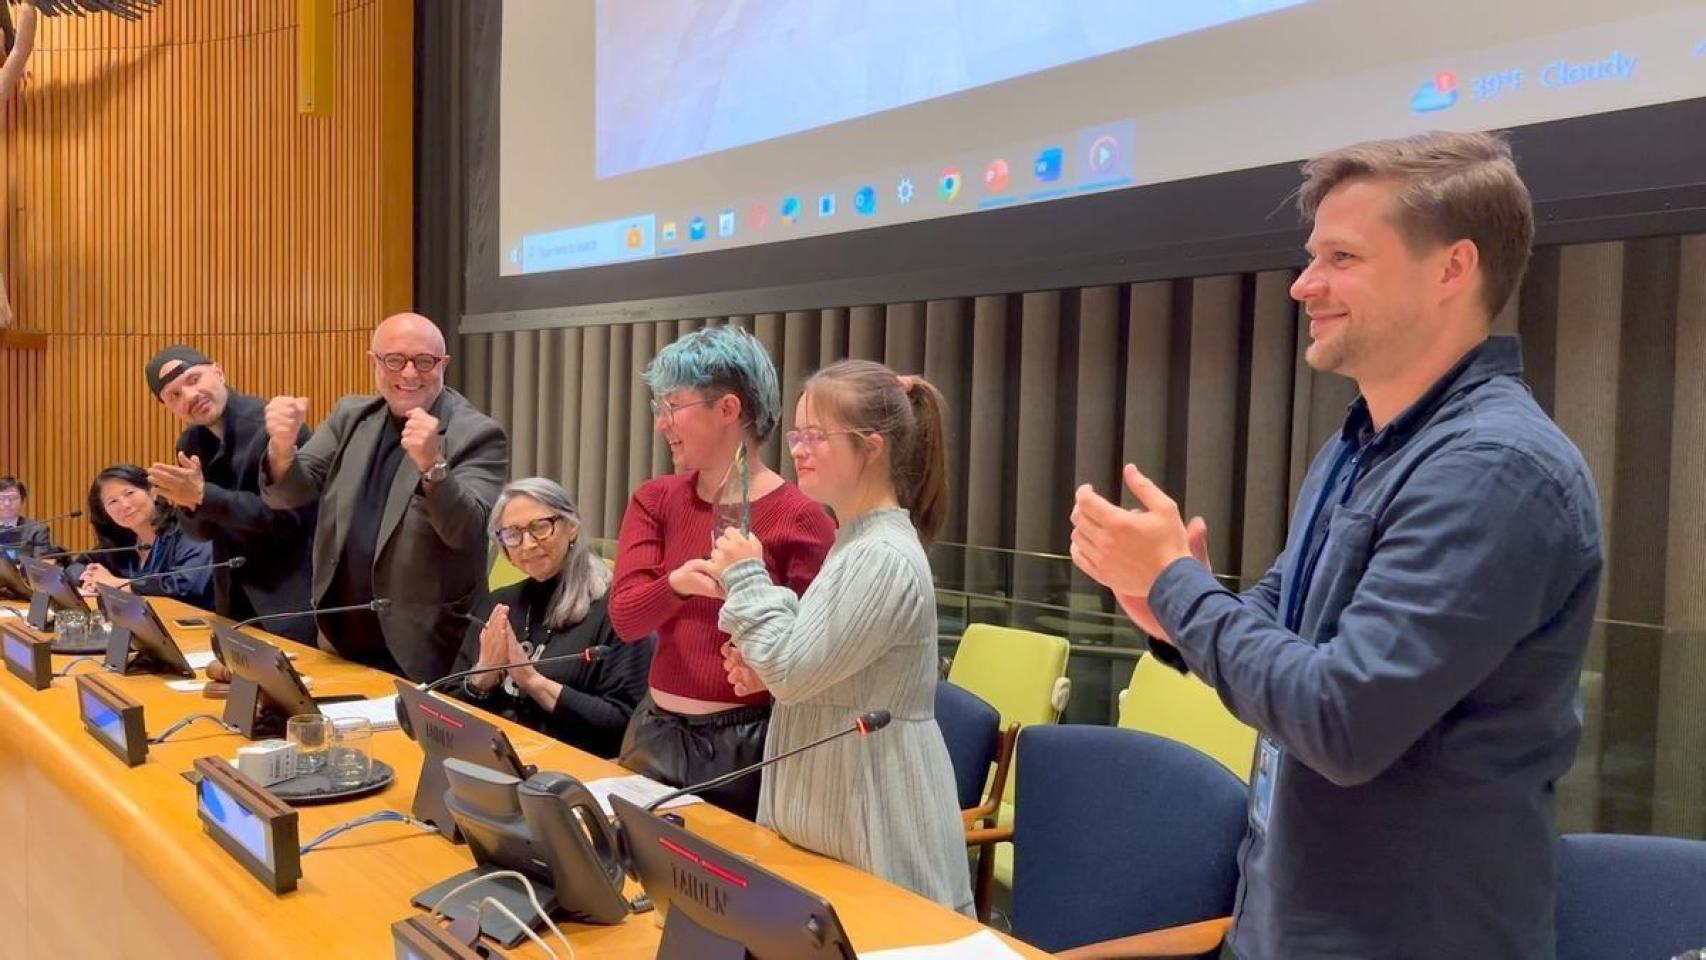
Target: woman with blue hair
x=715, y=400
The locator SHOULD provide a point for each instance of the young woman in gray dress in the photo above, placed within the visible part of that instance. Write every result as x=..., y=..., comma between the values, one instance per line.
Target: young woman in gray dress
x=868, y=444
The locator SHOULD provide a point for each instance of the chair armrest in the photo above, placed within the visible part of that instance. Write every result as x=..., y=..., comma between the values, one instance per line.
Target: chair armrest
x=988, y=835
x=1188, y=940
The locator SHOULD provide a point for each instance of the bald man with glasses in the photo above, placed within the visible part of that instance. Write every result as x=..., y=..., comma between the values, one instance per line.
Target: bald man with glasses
x=405, y=481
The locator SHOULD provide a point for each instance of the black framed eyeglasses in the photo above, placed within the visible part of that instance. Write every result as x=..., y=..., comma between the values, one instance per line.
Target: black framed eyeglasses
x=395, y=362
x=540, y=530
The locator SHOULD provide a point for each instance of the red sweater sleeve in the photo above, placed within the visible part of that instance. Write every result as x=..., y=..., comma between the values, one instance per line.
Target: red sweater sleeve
x=642, y=599
x=812, y=536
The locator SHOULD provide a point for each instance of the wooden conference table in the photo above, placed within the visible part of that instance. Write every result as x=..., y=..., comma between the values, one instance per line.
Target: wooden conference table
x=99, y=860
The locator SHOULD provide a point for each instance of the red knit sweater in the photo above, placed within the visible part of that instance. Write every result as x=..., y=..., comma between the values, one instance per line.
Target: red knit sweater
x=668, y=524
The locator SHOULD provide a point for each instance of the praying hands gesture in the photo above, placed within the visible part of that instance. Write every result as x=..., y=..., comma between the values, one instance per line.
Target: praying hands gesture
x=498, y=645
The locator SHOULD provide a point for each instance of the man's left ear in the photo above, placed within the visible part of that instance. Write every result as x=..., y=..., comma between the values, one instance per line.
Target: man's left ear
x=1462, y=266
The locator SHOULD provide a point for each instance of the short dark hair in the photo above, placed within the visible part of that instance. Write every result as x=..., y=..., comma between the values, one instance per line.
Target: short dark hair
x=9, y=482
x=1451, y=187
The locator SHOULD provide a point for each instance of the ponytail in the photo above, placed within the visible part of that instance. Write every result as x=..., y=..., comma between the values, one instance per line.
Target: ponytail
x=925, y=495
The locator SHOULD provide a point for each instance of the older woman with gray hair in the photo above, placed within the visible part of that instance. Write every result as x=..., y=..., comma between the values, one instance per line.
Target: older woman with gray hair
x=560, y=608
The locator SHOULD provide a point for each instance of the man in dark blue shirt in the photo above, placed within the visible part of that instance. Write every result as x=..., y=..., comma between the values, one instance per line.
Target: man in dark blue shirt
x=1411, y=660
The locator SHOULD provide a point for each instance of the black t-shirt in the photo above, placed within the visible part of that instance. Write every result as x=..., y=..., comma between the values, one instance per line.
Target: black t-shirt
x=357, y=635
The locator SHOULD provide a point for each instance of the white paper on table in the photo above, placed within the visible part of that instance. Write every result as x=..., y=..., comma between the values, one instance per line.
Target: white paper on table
x=381, y=712
x=199, y=660
x=186, y=686
x=983, y=945
x=635, y=789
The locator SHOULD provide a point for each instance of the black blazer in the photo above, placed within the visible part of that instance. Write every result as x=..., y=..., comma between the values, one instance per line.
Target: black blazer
x=275, y=544
x=598, y=698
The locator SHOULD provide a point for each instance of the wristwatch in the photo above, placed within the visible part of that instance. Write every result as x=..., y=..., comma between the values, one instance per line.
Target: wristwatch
x=439, y=471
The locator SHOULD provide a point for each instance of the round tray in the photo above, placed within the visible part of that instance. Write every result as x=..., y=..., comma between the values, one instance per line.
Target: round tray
x=79, y=649
x=316, y=787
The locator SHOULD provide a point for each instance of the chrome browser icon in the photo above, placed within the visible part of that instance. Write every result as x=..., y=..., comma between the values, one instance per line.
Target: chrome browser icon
x=949, y=186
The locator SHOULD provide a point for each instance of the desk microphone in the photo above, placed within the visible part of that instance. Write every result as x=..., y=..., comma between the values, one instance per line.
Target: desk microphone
x=62, y=554
x=377, y=606
x=864, y=724
x=38, y=524
x=589, y=655
x=233, y=564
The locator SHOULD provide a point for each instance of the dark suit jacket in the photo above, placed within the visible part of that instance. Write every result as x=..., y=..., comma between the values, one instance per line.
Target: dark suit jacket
x=430, y=559
x=275, y=544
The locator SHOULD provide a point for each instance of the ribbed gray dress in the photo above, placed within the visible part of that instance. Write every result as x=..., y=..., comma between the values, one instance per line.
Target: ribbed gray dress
x=862, y=638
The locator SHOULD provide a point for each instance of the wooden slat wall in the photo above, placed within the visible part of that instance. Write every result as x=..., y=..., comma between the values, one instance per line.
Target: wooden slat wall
x=161, y=187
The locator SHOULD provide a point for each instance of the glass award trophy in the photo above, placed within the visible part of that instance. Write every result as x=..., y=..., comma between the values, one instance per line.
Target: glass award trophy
x=732, y=506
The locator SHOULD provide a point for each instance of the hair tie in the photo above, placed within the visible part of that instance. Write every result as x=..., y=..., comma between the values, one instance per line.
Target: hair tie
x=907, y=382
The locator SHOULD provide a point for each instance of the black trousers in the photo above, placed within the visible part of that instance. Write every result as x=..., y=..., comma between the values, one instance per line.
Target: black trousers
x=681, y=750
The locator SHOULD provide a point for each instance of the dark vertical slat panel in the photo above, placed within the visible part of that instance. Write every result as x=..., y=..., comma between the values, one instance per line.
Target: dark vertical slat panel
x=569, y=425
x=1148, y=378
x=1634, y=584
x=799, y=361
x=641, y=445
x=768, y=328
x=1265, y=506
x=1679, y=787
x=1590, y=308
x=503, y=375
x=594, y=392
x=615, y=416
x=903, y=337
x=1538, y=325
x=523, y=388
x=476, y=367
x=665, y=333
x=865, y=333
x=946, y=335
x=1211, y=440
x=1036, y=501
x=546, y=400
x=987, y=472
x=832, y=344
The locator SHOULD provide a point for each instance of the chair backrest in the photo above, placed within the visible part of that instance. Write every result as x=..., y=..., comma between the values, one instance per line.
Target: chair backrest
x=972, y=730
x=503, y=573
x=1178, y=706
x=1119, y=832
x=1014, y=671
x=1628, y=896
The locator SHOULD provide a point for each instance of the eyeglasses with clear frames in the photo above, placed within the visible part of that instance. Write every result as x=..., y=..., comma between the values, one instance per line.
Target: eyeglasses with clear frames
x=813, y=437
x=663, y=409
x=395, y=362
x=540, y=530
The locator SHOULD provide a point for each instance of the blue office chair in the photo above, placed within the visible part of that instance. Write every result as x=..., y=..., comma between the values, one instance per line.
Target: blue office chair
x=1123, y=841
x=1630, y=897
x=972, y=730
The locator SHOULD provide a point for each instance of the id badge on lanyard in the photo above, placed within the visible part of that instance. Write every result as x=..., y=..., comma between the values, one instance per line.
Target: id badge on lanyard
x=1268, y=755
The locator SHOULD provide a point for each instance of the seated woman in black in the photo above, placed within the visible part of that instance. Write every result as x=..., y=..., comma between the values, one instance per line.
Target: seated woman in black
x=560, y=608
x=125, y=513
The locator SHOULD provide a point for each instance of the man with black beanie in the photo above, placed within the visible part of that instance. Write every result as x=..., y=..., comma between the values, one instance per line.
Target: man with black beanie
x=215, y=486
